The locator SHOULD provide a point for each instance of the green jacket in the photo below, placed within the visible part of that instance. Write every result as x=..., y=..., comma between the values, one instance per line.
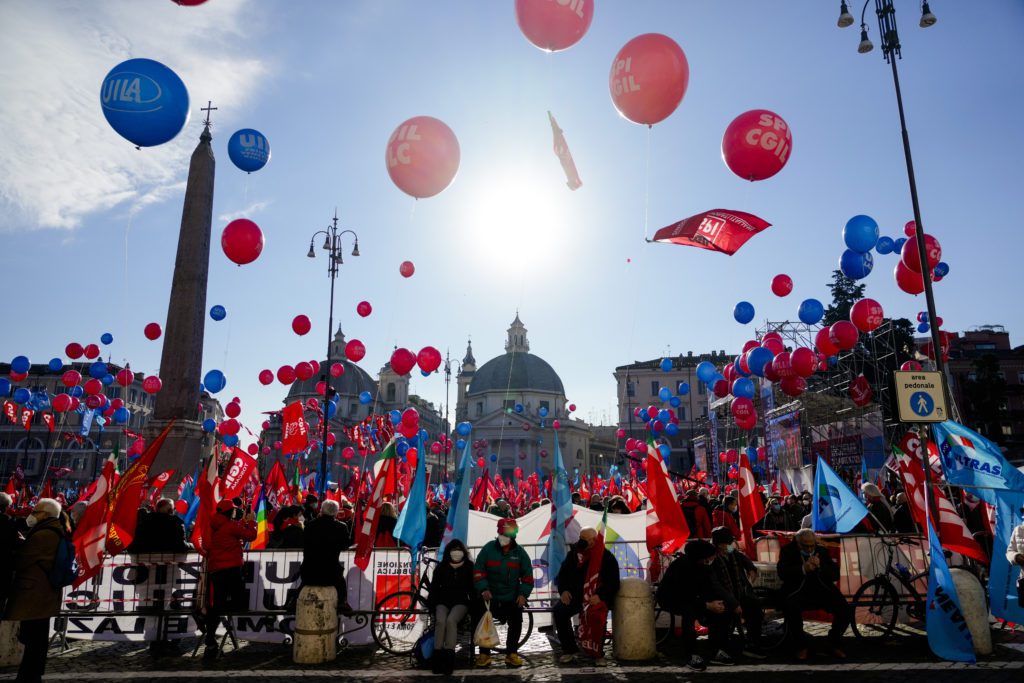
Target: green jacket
x=505, y=574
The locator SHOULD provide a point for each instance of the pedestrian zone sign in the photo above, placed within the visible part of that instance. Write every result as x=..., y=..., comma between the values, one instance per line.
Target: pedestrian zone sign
x=921, y=397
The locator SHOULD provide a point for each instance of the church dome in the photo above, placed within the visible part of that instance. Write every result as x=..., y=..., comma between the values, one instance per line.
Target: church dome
x=352, y=383
x=516, y=371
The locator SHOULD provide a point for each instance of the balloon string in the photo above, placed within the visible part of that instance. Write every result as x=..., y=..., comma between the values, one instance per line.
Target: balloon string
x=647, y=183
x=245, y=192
x=127, y=231
x=412, y=213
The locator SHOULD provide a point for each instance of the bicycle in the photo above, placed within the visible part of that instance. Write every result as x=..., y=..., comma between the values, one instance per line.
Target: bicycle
x=402, y=617
x=876, y=604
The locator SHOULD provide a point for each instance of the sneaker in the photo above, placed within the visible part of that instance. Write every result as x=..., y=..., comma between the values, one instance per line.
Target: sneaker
x=753, y=652
x=513, y=659
x=567, y=659
x=482, y=660
x=598, y=661
x=722, y=658
x=697, y=663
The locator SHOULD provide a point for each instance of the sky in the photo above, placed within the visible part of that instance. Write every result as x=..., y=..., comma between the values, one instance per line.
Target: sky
x=89, y=224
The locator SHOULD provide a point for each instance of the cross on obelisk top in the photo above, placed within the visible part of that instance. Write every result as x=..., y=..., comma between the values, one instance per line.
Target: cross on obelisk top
x=208, y=108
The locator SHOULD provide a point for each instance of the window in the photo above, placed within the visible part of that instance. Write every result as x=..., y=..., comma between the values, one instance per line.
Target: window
x=682, y=413
x=1001, y=375
x=704, y=412
x=391, y=392
x=352, y=408
x=701, y=389
x=1020, y=377
x=631, y=388
x=1007, y=430
x=655, y=387
x=971, y=377
x=985, y=346
x=479, y=408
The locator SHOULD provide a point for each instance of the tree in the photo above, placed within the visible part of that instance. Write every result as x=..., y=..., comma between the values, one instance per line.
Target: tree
x=845, y=292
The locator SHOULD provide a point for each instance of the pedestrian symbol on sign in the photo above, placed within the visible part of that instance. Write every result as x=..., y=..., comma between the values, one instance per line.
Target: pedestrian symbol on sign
x=922, y=404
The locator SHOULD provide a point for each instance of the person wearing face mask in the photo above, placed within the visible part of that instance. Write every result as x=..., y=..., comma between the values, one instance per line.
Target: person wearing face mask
x=451, y=594
x=230, y=528
x=775, y=518
x=726, y=515
x=503, y=576
x=731, y=583
x=809, y=577
x=569, y=582
x=288, y=528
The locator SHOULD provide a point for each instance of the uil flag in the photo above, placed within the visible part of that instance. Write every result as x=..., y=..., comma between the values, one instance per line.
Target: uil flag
x=457, y=525
x=836, y=508
x=561, y=147
x=294, y=430
x=970, y=460
x=561, y=514
x=750, y=503
x=720, y=230
x=948, y=635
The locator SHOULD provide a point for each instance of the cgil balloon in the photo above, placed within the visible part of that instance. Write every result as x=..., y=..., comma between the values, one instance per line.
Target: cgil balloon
x=757, y=144
x=554, y=26
x=422, y=156
x=648, y=78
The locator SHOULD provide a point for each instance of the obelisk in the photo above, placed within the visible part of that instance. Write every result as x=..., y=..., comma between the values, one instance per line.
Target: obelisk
x=182, y=358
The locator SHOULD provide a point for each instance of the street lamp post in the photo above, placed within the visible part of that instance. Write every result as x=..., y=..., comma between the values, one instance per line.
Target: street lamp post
x=332, y=244
x=447, y=380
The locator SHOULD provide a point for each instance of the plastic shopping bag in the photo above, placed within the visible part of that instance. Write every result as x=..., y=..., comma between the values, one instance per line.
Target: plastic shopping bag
x=486, y=634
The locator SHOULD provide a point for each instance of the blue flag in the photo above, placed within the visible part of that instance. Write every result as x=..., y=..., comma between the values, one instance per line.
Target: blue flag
x=457, y=525
x=969, y=459
x=412, y=522
x=561, y=513
x=948, y=636
x=836, y=508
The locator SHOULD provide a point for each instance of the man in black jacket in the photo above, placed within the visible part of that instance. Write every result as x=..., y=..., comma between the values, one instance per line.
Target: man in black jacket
x=809, y=579
x=8, y=541
x=730, y=583
x=684, y=590
x=160, y=531
x=323, y=540
x=570, y=581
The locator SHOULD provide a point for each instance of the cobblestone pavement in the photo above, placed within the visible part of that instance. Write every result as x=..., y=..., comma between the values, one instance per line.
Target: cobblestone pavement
x=906, y=658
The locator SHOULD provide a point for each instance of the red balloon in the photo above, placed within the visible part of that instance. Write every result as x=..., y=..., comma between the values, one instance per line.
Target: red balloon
x=621, y=433
x=187, y=3
x=729, y=371
x=793, y=386
x=181, y=506
x=253, y=449
x=843, y=334
x=860, y=391
x=95, y=401
x=348, y=453
x=429, y=359
x=648, y=78
x=910, y=366
x=479, y=461
x=266, y=377
x=17, y=376
x=60, y=403
x=742, y=408
x=303, y=371
x=152, y=331
x=907, y=280
x=232, y=409
x=757, y=144
x=910, y=229
x=331, y=439
x=125, y=377
x=554, y=26
x=93, y=387
x=117, y=403
x=321, y=387
x=867, y=315
x=652, y=411
x=774, y=345
x=572, y=407
x=354, y=350
x=74, y=350
x=363, y=308
x=803, y=361
x=823, y=342
x=721, y=388
x=912, y=259
x=242, y=241
x=407, y=269
x=286, y=374
x=74, y=403
x=410, y=417
x=782, y=364
x=747, y=424
x=92, y=352
x=750, y=344
x=316, y=366
x=422, y=156
x=769, y=373
x=782, y=285
x=337, y=369
x=152, y=384
x=71, y=378
x=403, y=361
x=300, y=325
x=228, y=427
x=722, y=457
x=555, y=424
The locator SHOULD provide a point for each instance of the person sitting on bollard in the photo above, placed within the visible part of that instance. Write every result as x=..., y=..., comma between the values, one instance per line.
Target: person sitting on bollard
x=503, y=576
x=730, y=582
x=684, y=591
x=809, y=578
x=451, y=594
x=323, y=540
x=571, y=577
x=231, y=528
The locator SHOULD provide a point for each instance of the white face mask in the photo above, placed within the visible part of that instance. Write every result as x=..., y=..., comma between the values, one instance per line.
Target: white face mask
x=504, y=540
x=731, y=547
x=31, y=521
x=457, y=556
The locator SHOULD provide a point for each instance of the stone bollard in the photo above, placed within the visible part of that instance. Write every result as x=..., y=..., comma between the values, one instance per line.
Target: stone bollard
x=633, y=621
x=10, y=649
x=316, y=625
x=974, y=608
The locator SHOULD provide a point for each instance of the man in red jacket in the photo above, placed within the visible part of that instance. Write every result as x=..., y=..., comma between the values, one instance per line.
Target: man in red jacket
x=225, y=592
x=697, y=518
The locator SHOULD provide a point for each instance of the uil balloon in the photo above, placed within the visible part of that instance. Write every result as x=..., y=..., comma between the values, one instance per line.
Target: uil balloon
x=218, y=312
x=743, y=312
x=810, y=311
x=422, y=156
x=757, y=144
x=554, y=26
x=248, y=149
x=885, y=245
x=242, y=241
x=648, y=78
x=144, y=102
x=855, y=265
x=861, y=234
x=214, y=381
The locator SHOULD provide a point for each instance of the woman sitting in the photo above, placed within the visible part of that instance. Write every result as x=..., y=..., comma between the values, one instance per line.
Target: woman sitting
x=451, y=591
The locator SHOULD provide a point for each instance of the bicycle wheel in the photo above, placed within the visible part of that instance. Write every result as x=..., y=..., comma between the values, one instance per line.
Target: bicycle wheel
x=399, y=620
x=664, y=626
x=916, y=604
x=875, y=609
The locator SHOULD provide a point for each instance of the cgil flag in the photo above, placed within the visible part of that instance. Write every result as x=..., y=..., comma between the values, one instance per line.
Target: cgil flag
x=836, y=508
x=948, y=635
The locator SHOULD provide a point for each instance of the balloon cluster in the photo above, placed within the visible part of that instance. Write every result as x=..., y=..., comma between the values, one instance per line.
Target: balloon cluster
x=923, y=324
x=908, y=272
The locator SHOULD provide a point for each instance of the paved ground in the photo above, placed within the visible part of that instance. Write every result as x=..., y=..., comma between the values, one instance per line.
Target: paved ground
x=906, y=658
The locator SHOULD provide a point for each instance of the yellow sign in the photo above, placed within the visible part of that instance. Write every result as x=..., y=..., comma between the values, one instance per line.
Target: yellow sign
x=921, y=397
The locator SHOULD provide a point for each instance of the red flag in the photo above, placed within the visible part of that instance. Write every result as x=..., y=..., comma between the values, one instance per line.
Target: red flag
x=561, y=147
x=721, y=230
x=10, y=489
x=666, y=526
x=158, y=483
x=594, y=618
x=294, y=430
x=277, y=486
x=26, y=418
x=126, y=495
x=366, y=533
x=750, y=504
x=48, y=419
x=90, y=535
x=47, y=491
x=238, y=474
x=11, y=411
x=206, y=489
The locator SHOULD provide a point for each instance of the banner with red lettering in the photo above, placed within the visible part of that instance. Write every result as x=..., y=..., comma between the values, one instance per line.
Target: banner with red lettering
x=238, y=474
x=721, y=230
x=294, y=430
x=26, y=418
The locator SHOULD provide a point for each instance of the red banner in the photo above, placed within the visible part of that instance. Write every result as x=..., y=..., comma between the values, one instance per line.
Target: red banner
x=238, y=474
x=26, y=418
x=48, y=419
x=718, y=230
x=11, y=411
x=126, y=495
x=294, y=430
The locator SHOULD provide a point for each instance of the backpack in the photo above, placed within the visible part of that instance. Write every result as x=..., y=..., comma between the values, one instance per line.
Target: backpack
x=423, y=650
x=65, y=568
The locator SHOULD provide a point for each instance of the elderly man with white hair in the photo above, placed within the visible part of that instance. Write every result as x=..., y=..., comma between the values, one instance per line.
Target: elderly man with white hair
x=879, y=508
x=323, y=541
x=33, y=598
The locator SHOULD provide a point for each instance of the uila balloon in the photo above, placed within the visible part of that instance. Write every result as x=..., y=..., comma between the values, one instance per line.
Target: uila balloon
x=145, y=102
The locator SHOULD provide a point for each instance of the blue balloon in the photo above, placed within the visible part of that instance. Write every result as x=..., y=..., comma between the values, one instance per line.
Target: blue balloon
x=705, y=371
x=942, y=269
x=20, y=365
x=743, y=312
x=810, y=311
x=107, y=379
x=922, y=328
x=665, y=450
x=757, y=359
x=55, y=365
x=751, y=453
x=5, y=386
x=645, y=416
x=144, y=102
x=683, y=389
x=215, y=381
x=743, y=387
x=122, y=415
x=666, y=364
x=22, y=395
x=664, y=393
x=248, y=149
x=675, y=402
x=885, y=245
x=365, y=397
x=402, y=448
x=464, y=428
x=231, y=440
x=856, y=266
x=543, y=412
x=861, y=234
x=897, y=246
x=77, y=391
x=519, y=407
x=332, y=409
x=460, y=444
x=424, y=435
x=671, y=429
x=106, y=339
x=833, y=360
x=664, y=415
x=740, y=371
x=494, y=458
x=218, y=312
x=98, y=370
x=424, y=373
x=396, y=416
